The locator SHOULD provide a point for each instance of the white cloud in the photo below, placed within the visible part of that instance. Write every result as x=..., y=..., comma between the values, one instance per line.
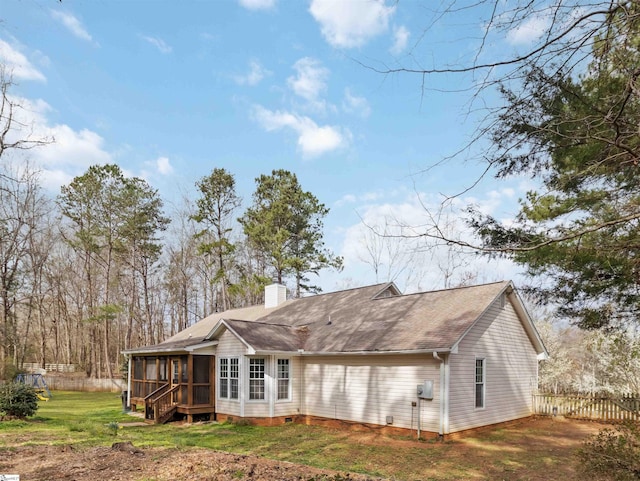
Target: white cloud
x=345, y=199
x=529, y=31
x=353, y=23
x=388, y=245
x=73, y=148
x=355, y=105
x=401, y=37
x=257, y=4
x=158, y=43
x=71, y=23
x=367, y=197
x=164, y=166
x=254, y=76
x=311, y=79
x=69, y=152
x=313, y=140
x=17, y=64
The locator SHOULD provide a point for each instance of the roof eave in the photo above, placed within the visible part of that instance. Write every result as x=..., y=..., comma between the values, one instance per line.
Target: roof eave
x=302, y=352
x=165, y=350
x=203, y=345
x=529, y=326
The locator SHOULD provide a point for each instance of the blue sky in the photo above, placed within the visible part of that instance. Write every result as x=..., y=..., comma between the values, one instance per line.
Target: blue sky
x=170, y=90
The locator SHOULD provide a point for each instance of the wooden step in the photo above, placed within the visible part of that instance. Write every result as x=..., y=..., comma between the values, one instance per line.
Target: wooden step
x=167, y=415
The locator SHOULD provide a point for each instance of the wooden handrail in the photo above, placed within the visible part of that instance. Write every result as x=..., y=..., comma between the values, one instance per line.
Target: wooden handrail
x=157, y=392
x=163, y=405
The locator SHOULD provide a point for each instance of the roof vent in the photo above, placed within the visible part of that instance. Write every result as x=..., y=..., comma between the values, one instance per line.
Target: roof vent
x=274, y=295
x=389, y=290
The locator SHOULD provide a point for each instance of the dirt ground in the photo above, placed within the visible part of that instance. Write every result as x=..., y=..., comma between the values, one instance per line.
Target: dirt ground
x=104, y=463
x=123, y=461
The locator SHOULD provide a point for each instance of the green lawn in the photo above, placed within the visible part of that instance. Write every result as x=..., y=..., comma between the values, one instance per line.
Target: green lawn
x=535, y=450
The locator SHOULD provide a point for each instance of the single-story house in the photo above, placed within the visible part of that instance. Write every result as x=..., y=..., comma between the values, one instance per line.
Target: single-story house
x=437, y=362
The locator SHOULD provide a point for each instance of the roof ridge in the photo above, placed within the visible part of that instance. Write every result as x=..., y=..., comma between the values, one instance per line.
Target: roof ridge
x=258, y=321
x=343, y=290
x=449, y=289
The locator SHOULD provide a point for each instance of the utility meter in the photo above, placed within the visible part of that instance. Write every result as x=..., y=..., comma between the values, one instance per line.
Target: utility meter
x=425, y=390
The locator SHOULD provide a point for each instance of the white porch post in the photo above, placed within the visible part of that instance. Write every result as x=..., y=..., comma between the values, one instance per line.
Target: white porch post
x=129, y=379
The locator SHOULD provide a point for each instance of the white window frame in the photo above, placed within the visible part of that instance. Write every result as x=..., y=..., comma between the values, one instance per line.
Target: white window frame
x=287, y=379
x=482, y=383
x=250, y=379
x=228, y=378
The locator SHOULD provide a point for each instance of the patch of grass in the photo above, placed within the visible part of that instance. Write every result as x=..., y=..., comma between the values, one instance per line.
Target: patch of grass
x=90, y=419
x=13, y=424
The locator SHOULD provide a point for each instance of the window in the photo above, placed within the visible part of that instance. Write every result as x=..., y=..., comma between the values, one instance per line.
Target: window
x=163, y=369
x=233, y=378
x=256, y=379
x=138, y=367
x=185, y=368
x=223, y=392
x=480, y=379
x=283, y=379
x=152, y=373
x=228, y=378
x=175, y=378
x=200, y=369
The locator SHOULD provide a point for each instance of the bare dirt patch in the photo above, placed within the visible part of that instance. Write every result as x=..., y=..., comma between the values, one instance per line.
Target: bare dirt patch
x=537, y=449
x=106, y=463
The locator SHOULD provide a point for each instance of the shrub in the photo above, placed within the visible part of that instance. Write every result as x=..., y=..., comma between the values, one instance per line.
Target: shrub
x=613, y=454
x=18, y=400
x=9, y=370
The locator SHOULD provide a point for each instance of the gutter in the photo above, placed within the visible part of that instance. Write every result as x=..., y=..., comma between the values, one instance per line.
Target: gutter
x=302, y=352
x=173, y=350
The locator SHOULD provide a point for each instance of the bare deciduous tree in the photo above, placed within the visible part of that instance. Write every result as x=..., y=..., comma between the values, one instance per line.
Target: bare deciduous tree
x=16, y=132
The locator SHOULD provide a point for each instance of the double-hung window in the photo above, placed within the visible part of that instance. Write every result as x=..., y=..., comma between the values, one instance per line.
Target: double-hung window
x=480, y=382
x=283, y=379
x=234, y=374
x=256, y=379
x=228, y=378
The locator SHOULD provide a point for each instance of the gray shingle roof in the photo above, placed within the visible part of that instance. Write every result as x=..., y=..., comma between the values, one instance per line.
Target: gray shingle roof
x=353, y=320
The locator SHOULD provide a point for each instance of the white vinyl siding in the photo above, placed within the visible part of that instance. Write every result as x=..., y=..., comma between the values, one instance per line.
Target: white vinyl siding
x=510, y=371
x=369, y=388
x=290, y=406
x=231, y=348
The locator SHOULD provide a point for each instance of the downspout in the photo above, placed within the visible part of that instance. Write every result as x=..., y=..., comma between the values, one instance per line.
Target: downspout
x=443, y=425
x=302, y=407
x=273, y=388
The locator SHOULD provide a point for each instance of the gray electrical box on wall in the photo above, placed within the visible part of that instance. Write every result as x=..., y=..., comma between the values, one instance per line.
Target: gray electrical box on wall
x=425, y=390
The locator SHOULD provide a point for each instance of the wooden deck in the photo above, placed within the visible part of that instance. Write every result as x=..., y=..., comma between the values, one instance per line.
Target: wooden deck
x=161, y=405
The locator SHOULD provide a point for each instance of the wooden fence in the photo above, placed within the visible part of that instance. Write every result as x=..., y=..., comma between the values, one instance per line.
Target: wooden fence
x=49, y=367
x=596, y=407
x=64, y=383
